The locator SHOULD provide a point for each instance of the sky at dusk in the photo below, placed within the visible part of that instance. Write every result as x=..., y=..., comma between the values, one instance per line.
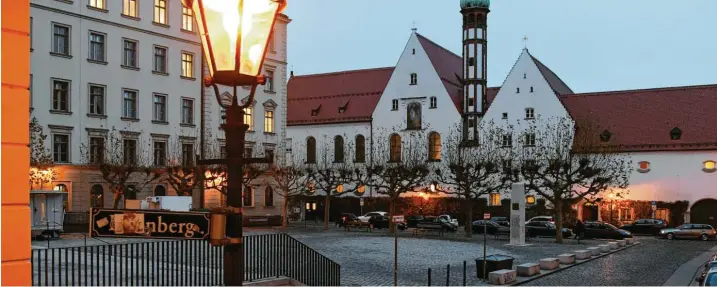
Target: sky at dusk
x=592, y=45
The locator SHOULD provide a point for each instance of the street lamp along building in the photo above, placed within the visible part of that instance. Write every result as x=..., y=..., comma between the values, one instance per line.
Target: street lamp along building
x=662, y=130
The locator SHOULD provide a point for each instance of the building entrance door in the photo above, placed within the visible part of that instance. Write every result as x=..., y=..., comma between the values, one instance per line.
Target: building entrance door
x=704, y=212
x=590, y=212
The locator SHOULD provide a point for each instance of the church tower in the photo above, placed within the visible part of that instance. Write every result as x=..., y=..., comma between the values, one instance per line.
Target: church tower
x=475, y=23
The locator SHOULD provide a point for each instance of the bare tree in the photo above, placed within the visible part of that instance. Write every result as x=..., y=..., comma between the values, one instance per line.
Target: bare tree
x=290, y=181
x=400, y=165
x=123, y=160
x=181, y=170
x=471, y=170
x=215, y=177
x=41, y=161
x=564, y=162
x=332, y=173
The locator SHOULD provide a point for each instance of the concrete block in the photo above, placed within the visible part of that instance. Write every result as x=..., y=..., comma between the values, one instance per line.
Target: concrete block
x=567, y=258
x=583, y=254
x=613, y=245
x=528, y=269
x=621, y=243
x=604, y=248
x=594, y=251
x=630, y=241
x=501, y=277
x=549, y=263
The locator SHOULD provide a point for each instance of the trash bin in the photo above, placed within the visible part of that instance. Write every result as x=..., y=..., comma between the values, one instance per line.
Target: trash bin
x=493, y=263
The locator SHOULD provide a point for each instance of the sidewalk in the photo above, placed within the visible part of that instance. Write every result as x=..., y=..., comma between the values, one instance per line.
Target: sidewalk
x=685, y=275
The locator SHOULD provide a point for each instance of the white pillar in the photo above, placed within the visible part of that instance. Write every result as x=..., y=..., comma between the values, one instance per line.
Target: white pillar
x=517, y=214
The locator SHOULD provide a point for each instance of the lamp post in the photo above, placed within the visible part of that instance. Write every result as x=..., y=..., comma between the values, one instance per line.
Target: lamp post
x=234, y=36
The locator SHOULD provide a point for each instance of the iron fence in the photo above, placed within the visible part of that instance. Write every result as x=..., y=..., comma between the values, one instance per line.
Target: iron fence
x=180, y=263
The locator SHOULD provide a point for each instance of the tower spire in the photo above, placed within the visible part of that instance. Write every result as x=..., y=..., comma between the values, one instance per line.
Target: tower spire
x=414, y=29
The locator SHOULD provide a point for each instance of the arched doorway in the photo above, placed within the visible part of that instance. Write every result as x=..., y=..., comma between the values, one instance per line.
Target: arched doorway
x=704, y=211
x=590, y=212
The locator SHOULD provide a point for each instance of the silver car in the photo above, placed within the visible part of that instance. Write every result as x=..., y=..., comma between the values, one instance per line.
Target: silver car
x=689, y=231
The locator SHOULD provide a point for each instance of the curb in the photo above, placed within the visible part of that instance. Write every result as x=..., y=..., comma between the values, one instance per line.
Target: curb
x=565, y=267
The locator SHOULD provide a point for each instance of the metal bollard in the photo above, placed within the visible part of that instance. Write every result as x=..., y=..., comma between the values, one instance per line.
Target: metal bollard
x=448, y=275
x=464, y=273
x=429, y=277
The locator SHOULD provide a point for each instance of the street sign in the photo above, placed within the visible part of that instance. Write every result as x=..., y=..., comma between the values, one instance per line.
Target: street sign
x=397, y=218
x=486, y=216
x=361, y=201
x=148, y=224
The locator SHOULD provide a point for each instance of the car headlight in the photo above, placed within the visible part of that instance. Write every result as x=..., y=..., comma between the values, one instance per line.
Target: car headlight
x=662, y=232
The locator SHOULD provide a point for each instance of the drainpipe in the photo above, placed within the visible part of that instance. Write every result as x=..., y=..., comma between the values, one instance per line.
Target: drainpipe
x=370, y=157
x=202, y=144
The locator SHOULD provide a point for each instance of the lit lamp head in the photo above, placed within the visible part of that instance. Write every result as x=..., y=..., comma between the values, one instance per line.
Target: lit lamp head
x=340, y=188
x=235, y=35
x=361, y=189
x=530, y=199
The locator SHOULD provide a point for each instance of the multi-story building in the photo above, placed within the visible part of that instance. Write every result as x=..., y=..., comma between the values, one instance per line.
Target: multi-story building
x=663, y=131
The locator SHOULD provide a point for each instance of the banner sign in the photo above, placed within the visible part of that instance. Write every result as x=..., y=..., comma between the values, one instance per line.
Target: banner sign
x=148, y=224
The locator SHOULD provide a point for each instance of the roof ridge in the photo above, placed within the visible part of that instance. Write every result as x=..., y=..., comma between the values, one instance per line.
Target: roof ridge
x=345, y=72
x=439, y=46
x=617, y=92
x=367, y=94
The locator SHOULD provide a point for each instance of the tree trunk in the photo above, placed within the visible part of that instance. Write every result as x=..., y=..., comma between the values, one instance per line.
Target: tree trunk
x=327, y=205
x=559, y=221
x=116, y=198
x=469, y=218
x=285, y=212
x=391, y=213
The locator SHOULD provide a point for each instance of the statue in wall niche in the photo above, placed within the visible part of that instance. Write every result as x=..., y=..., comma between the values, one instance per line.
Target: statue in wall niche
x=413, y=116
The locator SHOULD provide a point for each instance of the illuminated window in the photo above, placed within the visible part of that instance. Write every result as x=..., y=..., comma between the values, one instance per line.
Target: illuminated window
x=643, y=166
x=129, y=8
x=434, y=147
x=395, y=148
x=187, y=19
x=248, y=117
x=268, y=121
x=160, y=11
x=495, y=199
x=709, y=166
x=248, y=196
x=99, y=4
x=187, y=65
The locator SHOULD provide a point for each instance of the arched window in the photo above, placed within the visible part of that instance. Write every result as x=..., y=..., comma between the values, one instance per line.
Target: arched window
x=395, y=146
x=130, y=191
x=311, y=150
x=248, y=196
x=360, y=149
x=434, y=146
x=338, y=149
x=268, y=196
x=97, y=196
x=160, y=190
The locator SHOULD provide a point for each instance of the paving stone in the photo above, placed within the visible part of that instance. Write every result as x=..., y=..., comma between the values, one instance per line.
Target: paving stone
x=501, y=277
x=594, y=251
x=528, y=269
x=549, y=263
x=567, y=258
x=582, y=254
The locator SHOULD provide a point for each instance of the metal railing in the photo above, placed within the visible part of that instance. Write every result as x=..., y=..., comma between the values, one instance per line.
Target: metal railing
x=180, y=263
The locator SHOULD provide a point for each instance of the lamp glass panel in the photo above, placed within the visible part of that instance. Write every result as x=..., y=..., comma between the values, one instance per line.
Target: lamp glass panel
x=256, y=28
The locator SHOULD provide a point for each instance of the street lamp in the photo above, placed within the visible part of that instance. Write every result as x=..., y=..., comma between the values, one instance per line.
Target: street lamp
x=234, y=35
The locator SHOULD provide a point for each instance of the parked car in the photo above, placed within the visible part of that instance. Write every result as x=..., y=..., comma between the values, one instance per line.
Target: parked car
x=544, y=228
x=690, y=231
x=541, y=219
x=345, y=218
x=646, y=226
x=710, y=278
x=413, y=220
x=712, y=263
x=490, y=227
x=449, y=219
x=368, y=216
x=598, y=229
x=433, y=222
x=503, y=221
x=382, y=221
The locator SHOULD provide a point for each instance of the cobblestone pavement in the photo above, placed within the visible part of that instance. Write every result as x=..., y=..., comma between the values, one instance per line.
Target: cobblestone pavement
x=649, y=264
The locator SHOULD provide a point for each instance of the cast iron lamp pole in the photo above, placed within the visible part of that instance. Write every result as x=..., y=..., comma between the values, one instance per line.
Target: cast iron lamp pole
x=235, y=35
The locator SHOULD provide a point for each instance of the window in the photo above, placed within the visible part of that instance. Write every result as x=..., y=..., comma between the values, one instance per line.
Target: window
x=187, y=19
x=268, y=196
x=248, y=117
x=160, y=11
x=675, y=134
x=531, y=89
x=129, y=59
x=130, y=192
x=530, y=113
x=529, y=140
x=395, y=148
x=160, y=190
x=471, y=122
x=129, y=151
x=413, y=52
x=99, y=4
x=517, y=90
x=434, y=103
x=129, y=8
x=61, y=39
x=187, y=65
x=525, y=75
x=413, y=116
x=605, y=136
x=495, y=199
x=269, y=121
x=223, y=151
x=394, y=105
x=129, y=107
x=471, y=61
x=187, y=111
x=61, y=95
x=248, y=196
x=434, y=147
x=507, y=140
x=61, y=148
x=505, y=116
x=248, y=152
x=97, y=100
x=269, y=85
x=338, y=149
x=311, y=150
x=160, y=153
x=643, y=166
x=360, y=149
x=471, y=102
x=160, y=60
x=97, y=196
x=159, y=113
x=414, y=79
x=97, y=149
x=709, y=166
x=625, y=214
x=187, y=154
x=269, y=153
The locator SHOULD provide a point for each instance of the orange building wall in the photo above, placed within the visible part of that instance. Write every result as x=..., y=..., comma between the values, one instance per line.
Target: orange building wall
x=15, y=160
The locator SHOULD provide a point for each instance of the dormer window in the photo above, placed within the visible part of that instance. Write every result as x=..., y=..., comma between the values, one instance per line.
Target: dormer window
x=342, y=109
x=605, y=136
x=315, y=111
x=414, y=79
x=529, y=113
x=643, y=167
x=434, y=103
x=675, y=134
x=394, y=105
x=709, y=166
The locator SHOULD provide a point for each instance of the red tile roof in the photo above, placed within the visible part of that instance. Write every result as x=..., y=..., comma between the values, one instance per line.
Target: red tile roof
x=449, y=67
x=361, y=89
x=641, y=120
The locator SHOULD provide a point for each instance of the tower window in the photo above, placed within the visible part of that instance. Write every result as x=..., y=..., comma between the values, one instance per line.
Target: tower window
x=434, y=103
x=471, y=102
x=471, y=122
x=414, y=79
x=471, y=61
x=517, y=90
x=394, y=105
x=505, y=116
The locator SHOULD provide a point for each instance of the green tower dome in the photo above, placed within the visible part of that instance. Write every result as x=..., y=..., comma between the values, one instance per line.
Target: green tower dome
x=475, y=4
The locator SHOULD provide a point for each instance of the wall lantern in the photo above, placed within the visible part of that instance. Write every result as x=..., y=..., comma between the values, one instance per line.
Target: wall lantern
x=530, y=199
x=709, y=166
x=340, y=188
x=235, y=35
